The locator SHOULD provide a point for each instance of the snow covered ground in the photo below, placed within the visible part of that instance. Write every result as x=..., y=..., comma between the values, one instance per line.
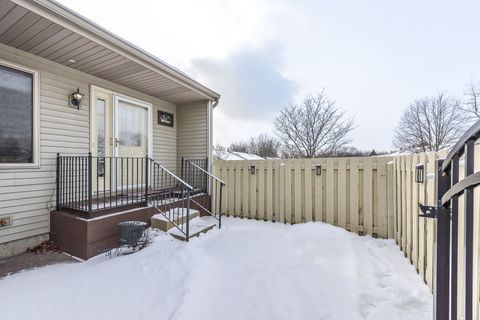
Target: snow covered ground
x=246, y=270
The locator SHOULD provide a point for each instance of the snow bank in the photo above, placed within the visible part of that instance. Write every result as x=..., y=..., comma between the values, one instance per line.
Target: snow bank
x=246, y=270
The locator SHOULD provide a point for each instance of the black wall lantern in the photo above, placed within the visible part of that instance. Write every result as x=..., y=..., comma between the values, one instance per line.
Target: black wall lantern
x=419, y=173
x=318, y=169
x=252, y=169
x=75, y=99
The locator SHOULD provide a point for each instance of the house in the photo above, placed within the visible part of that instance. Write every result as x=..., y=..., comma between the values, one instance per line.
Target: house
x=93, y=131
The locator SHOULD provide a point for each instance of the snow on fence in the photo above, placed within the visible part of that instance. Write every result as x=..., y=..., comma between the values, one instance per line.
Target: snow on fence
x=377, y=196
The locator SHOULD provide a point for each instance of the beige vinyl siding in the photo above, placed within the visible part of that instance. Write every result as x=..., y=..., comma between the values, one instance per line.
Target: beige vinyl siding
x=28, y=194
x=165, y=138
x=192, y=129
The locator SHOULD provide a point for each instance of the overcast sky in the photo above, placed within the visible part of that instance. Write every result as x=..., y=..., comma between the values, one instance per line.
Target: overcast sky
x=372, y=57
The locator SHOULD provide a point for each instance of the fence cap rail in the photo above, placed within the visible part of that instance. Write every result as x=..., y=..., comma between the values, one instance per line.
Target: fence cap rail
x=208, y=173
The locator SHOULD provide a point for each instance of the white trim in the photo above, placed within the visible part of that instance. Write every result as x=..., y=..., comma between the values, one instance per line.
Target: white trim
x=35, y=119
x=140, y=103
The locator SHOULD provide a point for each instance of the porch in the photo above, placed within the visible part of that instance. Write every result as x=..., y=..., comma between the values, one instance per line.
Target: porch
x=94, y=194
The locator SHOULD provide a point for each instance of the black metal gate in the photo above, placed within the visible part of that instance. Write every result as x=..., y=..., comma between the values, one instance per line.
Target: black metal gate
x=448, y=190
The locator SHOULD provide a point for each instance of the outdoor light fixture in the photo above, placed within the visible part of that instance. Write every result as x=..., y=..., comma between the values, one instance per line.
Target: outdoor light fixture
x=419, y=173
x=252, y=169
x=318, y=169
x=75, y=99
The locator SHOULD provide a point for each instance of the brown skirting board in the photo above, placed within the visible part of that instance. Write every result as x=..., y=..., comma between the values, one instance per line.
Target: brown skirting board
x=86, y=238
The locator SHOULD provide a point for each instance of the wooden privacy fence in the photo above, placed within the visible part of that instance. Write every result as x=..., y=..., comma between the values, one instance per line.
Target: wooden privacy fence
x=377, y=196
x=354, y=193
x=414, y=234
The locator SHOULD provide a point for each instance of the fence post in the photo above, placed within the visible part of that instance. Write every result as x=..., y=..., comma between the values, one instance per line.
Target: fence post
x=146, y=179
x=442, y=248
x=57, y=182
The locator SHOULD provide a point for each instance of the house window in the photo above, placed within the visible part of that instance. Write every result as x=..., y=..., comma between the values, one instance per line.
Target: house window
x=17, y=116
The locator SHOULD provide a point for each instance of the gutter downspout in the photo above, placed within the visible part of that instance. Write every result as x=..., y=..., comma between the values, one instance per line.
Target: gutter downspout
x=215, y=103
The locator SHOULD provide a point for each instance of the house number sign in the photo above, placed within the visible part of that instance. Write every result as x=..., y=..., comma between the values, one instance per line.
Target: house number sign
x=165, y=118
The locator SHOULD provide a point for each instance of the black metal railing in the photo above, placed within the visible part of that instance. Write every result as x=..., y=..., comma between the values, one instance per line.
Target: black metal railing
x=196, y=178
x=446, y=211
x=211, y=185
x=90, y=184
x=171, y=196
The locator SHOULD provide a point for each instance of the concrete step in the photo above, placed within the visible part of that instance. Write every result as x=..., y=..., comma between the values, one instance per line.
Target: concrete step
x=197, y=226
x=178, y=215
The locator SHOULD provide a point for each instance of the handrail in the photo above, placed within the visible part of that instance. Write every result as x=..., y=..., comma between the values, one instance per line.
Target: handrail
x=472, y=133
x=208, y=173
x=173, y=175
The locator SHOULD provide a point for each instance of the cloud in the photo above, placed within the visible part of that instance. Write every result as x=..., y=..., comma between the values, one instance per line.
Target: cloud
x=250, y=81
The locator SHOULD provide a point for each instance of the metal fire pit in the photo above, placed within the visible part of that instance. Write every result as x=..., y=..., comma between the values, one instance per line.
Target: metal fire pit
x=131, y=233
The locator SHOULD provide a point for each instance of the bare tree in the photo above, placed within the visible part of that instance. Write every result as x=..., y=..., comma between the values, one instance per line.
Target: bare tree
x=314, y=128
x=471, y=104
x=430, y=124
x=264, y=146
x=239, y=146
x=220, y=151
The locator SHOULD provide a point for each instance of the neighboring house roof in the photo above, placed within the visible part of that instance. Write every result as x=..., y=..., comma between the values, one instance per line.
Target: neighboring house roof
x=54, y=32
x=235, y=155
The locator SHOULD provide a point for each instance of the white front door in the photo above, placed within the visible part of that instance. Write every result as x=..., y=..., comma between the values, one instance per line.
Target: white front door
x=132, y=140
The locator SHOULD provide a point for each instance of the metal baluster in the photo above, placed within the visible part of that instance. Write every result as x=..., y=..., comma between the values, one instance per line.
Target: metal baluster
x=116, y=181
x=136, y=178
x=89, y=177
x=98, y=185
x=110, y=181
x=121, y=176
x=220, y=208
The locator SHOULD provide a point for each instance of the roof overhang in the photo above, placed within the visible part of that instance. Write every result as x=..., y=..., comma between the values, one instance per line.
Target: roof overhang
x=50, y=30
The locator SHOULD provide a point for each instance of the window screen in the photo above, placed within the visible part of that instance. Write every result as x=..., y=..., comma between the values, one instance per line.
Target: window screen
x=16, y=116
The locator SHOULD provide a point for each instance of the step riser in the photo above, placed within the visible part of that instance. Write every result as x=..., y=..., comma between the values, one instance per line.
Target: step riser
x=196, y=234
x=166, y=225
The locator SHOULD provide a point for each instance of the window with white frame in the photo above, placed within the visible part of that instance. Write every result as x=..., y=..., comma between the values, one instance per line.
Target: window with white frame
x=17, y=116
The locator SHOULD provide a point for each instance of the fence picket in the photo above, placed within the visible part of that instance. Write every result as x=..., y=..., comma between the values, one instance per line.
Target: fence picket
x=253, y=192
x=238, y=192
x=381, y=205
x=354, y=190
x=261, y=190
x=281, y=193
x=367, y=196
x=297, y=192
x=330, y=194
x=318, y=192
x=408, y=190
x=308, y=191
x=342, y=192
x=269, y=186
x=288, y=191
x=415, y=212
